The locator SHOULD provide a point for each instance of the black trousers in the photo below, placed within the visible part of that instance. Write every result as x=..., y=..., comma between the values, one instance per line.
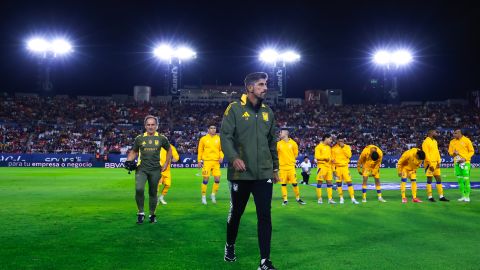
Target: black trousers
x=262, y=194
x=306, y=177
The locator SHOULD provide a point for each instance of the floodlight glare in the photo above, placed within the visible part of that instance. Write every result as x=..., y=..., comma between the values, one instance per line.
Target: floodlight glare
x=401, y=57
x=38, y=45
x=164, y=52
x=382, y=58
x=61, y=46
x=290, y=56
x=269, y=56
x=184, y=53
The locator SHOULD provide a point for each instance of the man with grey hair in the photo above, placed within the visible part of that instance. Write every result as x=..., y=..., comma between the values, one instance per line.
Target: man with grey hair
x=248, y=137
x=147, y=147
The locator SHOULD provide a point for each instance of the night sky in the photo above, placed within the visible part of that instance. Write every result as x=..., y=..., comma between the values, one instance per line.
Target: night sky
x=114, y=39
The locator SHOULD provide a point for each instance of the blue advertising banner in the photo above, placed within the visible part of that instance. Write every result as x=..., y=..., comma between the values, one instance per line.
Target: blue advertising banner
x=186, y=161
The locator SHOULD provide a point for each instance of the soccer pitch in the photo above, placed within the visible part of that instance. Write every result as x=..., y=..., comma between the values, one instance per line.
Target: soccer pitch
x=85, y=219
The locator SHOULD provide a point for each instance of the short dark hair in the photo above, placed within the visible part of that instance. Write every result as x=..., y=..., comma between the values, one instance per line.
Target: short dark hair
x=421, y=154
x=375, y=156
x=305, y=157
x=150, y=117
x=326, y=136
x=254, y=77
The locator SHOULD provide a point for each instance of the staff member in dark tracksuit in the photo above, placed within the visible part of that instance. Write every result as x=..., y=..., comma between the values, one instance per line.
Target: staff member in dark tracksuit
x=248, y=138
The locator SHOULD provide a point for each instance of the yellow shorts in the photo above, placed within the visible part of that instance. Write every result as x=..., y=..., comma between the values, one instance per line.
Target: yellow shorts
x=433, y=169
x=368, y=171
x=166, y=178
x=211, y=168
x=409, y=174
x=324, y=173
x=343, y=174
x=287, y=176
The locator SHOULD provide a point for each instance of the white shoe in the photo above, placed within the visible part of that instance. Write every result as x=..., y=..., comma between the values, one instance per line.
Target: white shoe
x=214, y=200
x=364, y=200
x=161, y=200
x=320, y=201
x=467, y=199
x=355, y=201
x=204, y=200
x=342, y=201
x=331, y=201
x=462, y=199
x=380, y=199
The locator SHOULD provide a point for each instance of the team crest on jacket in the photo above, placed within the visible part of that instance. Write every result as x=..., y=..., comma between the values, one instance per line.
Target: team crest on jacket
x=157, y=142
x=149, y=141
x=265, y=116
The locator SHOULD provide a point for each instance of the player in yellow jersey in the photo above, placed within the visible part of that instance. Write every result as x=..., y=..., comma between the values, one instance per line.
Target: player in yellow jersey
x=210, y=156
x=287, y=156
x=407, y=167
x=432, y=164
x=369, y=164
x=341, y=154
x=461, y=149
x=323, y=157
x=166, y=179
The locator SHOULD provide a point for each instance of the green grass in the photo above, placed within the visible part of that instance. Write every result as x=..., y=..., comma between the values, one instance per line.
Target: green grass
x=85, y=219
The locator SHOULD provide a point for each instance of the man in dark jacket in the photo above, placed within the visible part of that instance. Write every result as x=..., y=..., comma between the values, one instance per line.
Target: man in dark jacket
x=248, y=138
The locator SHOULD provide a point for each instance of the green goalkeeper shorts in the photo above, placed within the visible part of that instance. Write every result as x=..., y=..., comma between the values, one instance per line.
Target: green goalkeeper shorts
x=462, y=169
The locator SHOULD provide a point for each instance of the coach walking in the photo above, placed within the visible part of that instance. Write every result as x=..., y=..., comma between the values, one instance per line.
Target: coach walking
x=248, y=139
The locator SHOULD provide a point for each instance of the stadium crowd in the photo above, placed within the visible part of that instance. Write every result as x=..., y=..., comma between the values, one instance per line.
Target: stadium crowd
x=84, y=125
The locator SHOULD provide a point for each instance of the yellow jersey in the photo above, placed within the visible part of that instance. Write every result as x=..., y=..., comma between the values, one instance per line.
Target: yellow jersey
x=365, y=158
x=287, y=154
x=323, y=154
x=209, y=148
x=463, y=146
x=341, y=155
x=163, y=157
x=409, y=161
x=430, y=147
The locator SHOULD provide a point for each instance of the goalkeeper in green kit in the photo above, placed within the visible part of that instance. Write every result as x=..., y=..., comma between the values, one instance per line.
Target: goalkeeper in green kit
x=147, y=146
x=461, y=149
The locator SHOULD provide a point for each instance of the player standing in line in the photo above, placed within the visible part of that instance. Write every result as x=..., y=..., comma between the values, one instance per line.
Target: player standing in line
x=323, y=156
x=287, y=157
x=341, y=154
x=432, y=165
x=461, y=149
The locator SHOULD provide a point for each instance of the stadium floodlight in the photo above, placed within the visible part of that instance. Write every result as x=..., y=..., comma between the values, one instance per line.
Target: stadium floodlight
x=61, y=46
x=56, y=47
x=401, y=57
x=382, y=57
x=164, y=52
x=167, y=53
x=290, y=56
x=398, y=58
x=38, y=45
x=184, y=53
x=269, y=56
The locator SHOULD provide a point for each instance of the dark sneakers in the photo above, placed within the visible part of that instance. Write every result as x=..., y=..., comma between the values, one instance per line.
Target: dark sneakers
x=431, y=199
x=230, y=253
x=266, y=265
x=152, y=218
x=140, y=218
x=443, y=199
x=301, y=202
